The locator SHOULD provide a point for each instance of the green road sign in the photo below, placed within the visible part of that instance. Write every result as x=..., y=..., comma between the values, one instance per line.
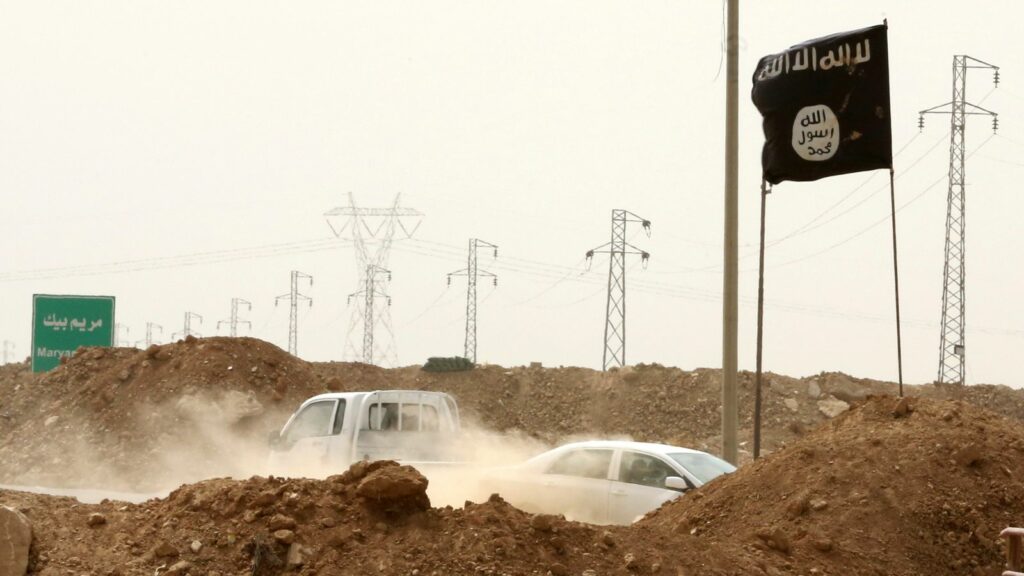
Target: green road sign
x=60, y=324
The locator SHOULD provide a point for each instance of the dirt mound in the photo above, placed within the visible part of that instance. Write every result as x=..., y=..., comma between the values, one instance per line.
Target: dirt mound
x=922, y=487
x=138, y=419
x=270, y=526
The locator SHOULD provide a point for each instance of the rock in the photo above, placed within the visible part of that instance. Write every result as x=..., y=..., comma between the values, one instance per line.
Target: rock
x=50, y=421
x=792, y=404
x=902, y=408
x=813, y=389
x=822, y=544
x=281, y=522
x=123, y=375
x=832, y=406
x=607, y=539
x=284, y=536
x=297, y=554
x=542, y=523
x=557, y=569
x=328, y=522
x=969, y=455
x=395, y=487
x=179, y=568
x=775, y=538
x=96, y=519
x=196, y=546
x=818, y=504
x=165, y=550
x=15, y=540
x=797, y=507
x=629, y=561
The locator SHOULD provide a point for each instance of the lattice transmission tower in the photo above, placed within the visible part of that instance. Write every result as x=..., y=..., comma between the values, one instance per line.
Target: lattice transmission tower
x=615, y=306
x=294, y=297
x=472, y=273
x=187, y=330
x=375, y=280
x=952, y=345
x=372, y=231
x=149, y=341
x=234, y=320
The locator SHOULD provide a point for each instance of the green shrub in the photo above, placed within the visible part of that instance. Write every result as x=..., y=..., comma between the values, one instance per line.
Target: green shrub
x=453, y=364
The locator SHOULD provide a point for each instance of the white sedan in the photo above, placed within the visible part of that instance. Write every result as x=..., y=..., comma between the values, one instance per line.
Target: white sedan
x=605, y=481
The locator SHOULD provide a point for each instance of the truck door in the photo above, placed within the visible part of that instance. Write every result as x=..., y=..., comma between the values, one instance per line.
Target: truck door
x=306, y=437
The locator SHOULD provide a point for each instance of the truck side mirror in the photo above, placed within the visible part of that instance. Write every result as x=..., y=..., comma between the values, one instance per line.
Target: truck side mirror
x=677, y=483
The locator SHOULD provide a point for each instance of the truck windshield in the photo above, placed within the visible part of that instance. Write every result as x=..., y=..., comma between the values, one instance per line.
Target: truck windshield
x=704, y=467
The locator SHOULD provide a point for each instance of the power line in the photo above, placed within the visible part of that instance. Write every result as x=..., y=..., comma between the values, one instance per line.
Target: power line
x=179, y=261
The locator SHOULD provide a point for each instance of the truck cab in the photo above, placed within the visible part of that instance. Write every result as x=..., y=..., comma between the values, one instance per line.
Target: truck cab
x=331, y=431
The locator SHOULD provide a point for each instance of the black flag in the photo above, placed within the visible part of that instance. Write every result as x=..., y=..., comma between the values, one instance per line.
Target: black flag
x=825, y=105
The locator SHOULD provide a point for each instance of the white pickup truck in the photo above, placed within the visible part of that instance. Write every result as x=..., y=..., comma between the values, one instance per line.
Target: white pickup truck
x=331, y=431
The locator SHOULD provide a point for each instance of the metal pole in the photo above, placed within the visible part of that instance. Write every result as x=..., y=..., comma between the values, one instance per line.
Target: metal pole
x=730, y=303
x=896, y=278
x=760, y=329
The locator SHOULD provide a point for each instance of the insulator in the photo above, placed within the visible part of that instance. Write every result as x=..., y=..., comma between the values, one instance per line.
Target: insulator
x=495, y=252
x=449, y=279
x=590, y=254
x=495, y=281
x=996, y=78
x=995, y=124
x=920, y=122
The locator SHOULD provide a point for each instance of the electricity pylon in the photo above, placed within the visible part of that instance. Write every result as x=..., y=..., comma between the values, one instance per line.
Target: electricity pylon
x=187, y=330
x=117, y=333
x=472, y=272
x=233, y=322
x=374, y=278
x=615, y=306
x=952, y=346
x=294, y=297
x=149, y=334
x=372, y=231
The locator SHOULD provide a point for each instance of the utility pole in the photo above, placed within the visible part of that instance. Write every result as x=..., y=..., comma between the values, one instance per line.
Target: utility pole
x=8, y=351
x=730, y=278
x=293, y=302
x=187, y=330
x=472, y=272
x=234, y=321
x=117, y=333
x=615, y=306
x=952, y=347
x=372, y=231
x=374, y=278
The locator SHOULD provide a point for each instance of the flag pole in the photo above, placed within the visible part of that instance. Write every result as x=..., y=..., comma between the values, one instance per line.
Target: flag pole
x=760, y=328
x=896, y=277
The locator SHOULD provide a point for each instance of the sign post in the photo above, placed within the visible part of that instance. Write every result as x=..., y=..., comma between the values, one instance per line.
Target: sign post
x=61, y=324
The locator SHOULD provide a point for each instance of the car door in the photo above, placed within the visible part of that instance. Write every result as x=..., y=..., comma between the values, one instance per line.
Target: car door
x=639, y=486
x=576, y=485
x=305, y=440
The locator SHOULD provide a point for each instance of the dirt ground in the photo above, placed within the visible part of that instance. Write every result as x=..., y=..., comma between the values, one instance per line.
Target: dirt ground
x=922, y=489
x=851, y=484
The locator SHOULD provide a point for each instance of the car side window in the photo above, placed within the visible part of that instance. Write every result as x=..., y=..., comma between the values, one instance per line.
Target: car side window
x=314, y=420
x=583, y=463
x=637, y=468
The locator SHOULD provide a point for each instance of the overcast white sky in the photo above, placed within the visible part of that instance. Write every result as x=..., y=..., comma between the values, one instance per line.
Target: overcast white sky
x=138, y=130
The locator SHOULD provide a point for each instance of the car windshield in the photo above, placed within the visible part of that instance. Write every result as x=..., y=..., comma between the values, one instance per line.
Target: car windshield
x=704, y=466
